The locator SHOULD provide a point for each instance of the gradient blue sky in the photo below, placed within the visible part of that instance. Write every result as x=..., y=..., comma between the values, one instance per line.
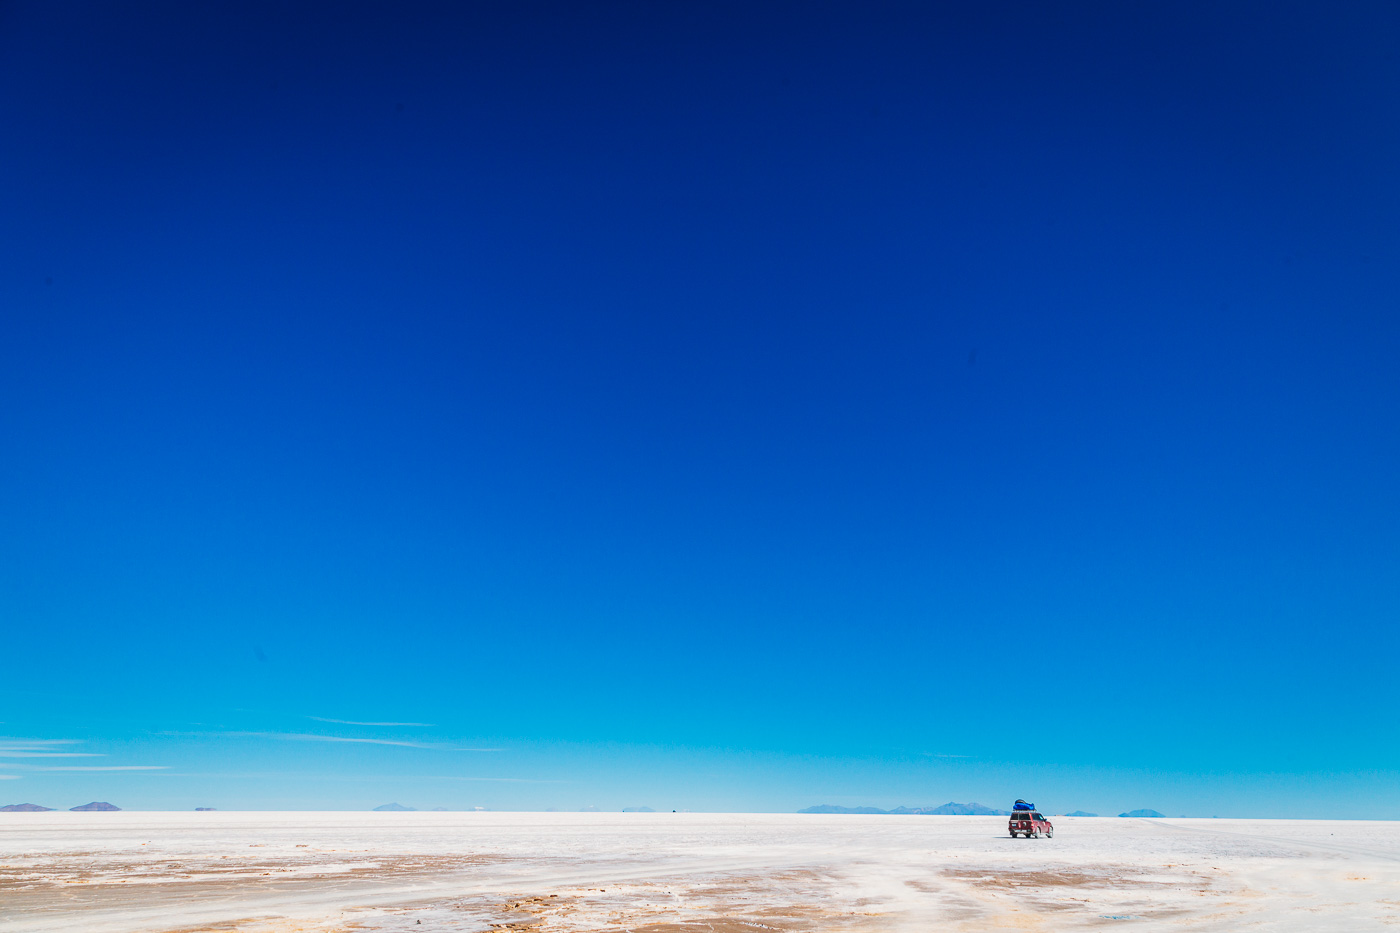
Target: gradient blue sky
x=710, y=406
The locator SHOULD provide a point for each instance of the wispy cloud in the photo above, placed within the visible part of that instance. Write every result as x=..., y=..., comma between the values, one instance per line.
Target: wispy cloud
x=103, y=768
x=502, y=780
x=9, y=777
x=332, y=777
x=40, y=748
x=356, y=722
x=311, y=737
x=11, y=747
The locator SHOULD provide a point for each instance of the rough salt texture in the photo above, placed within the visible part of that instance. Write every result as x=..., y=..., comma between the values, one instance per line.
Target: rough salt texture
x=684, y=873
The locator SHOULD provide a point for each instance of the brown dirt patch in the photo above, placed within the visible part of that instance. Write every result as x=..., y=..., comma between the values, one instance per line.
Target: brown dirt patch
x=1039, y=879
x=712, y=925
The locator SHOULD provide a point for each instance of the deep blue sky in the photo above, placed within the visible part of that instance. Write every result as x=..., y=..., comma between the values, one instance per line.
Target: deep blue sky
x=719, y=406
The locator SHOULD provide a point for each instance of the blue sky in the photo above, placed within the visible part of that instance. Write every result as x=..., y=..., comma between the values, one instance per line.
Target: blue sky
x=727, y=406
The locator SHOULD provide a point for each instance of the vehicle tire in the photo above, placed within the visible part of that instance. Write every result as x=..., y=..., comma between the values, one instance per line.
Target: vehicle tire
x=1013, y=835
x=1049, y=834
x=1036, y=834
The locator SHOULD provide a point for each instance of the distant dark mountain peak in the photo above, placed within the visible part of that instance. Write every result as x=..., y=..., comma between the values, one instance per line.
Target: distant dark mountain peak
x=965, y=809
x=24, y=808
x=205, y=809
x=393, y=808
x=1143, y=813
x=95, y=805
x=950, y=808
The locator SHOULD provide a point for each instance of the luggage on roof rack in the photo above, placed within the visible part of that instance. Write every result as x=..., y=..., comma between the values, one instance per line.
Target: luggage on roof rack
x=1022, y=805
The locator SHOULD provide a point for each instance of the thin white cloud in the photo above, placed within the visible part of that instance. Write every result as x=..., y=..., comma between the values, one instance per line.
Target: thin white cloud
x=9, y=777
x=457, y=777
x=105, y=768
x=250, y=775
x=355, y=778
x=356, y=722
x=310, y=737
x=14, y=747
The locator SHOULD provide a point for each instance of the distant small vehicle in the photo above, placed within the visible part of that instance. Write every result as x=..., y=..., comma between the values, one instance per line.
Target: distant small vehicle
x=1027, y=821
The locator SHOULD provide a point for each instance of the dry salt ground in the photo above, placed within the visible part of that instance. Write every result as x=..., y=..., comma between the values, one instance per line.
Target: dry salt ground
x=133, y=872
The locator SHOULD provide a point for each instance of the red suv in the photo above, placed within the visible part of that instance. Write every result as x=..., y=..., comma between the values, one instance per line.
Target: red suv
x=1030, y=823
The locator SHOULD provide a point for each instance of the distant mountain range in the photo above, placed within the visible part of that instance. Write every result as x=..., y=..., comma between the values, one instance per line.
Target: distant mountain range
x=1080, y=813
x=1147, y=813
x=35, y=808
x=947, y=809
x=829, y=808
x=393, y=808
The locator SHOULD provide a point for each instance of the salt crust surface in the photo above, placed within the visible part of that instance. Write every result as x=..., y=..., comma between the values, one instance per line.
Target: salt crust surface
x=684, y=873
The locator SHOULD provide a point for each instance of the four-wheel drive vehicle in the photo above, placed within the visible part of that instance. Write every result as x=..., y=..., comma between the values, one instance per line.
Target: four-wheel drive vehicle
x=1030, y=823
